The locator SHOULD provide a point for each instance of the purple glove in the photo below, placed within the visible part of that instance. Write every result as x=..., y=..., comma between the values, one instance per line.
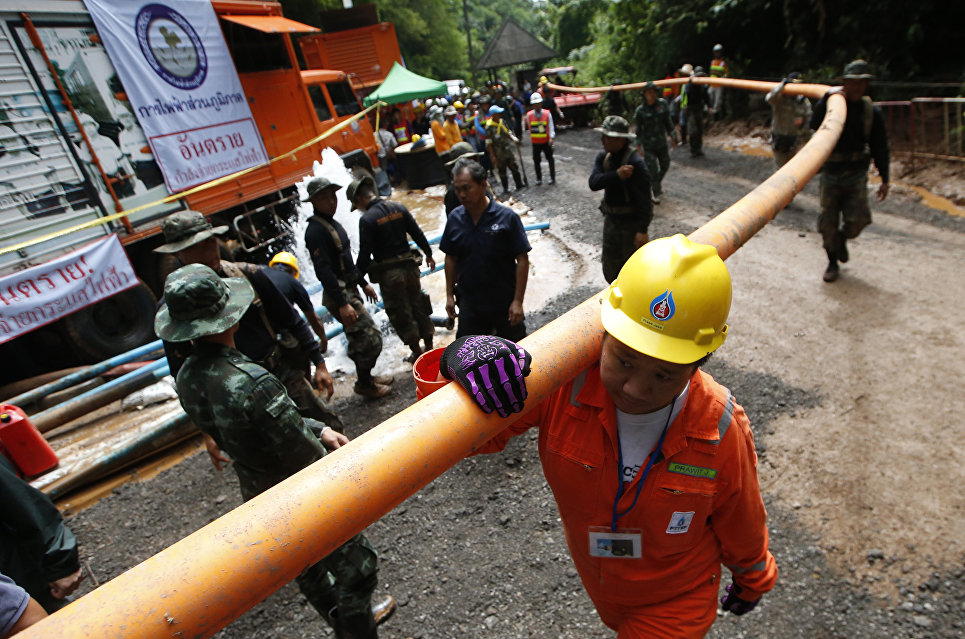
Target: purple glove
x=732, y=601
x=491, y=369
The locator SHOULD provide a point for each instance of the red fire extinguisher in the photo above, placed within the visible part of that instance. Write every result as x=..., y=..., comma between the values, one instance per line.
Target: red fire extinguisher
x=24, y=444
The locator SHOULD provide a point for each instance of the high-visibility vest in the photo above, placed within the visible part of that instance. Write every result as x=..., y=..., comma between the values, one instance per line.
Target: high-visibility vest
x=718, y=68
x=539, y=126
x=401, y=133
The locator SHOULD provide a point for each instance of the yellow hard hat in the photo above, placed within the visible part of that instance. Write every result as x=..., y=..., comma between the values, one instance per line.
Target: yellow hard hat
x=288, y=260
x=458, y=104
x=543, y=79
x=416, y=137
x=670, y=301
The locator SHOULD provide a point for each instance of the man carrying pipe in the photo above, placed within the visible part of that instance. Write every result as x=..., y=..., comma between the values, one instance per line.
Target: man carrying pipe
x=243, y=410
x=648, y=546
x=627, y=205
x=193, y=240
x=844, y=176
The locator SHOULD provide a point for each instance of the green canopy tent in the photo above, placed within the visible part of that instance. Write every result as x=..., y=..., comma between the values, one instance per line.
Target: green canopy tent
x=402, y=85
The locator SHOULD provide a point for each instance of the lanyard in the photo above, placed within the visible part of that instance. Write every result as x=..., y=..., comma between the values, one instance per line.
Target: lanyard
x=643, y=477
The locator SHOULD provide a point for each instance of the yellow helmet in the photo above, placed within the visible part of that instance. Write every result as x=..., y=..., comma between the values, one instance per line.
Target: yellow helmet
x=458, y=104
x=416, y=137
x=288, y=260
x=543, y=79
x=670, y=301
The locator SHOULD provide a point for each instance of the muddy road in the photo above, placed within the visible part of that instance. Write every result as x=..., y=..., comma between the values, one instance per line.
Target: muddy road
x=853, y=393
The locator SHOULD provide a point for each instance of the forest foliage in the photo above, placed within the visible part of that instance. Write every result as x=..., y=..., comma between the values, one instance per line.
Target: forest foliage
x=905, y=40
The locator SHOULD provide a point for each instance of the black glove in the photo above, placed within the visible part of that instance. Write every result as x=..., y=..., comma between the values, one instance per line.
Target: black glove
x=491, y=369
x=732, y=601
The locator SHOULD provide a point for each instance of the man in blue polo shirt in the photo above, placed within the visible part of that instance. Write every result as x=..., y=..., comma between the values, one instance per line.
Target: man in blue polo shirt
x=487, y=262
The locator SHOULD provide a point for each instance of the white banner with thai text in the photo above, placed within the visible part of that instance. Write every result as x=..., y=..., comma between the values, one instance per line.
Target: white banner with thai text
x=42, y=294
x=174, y=64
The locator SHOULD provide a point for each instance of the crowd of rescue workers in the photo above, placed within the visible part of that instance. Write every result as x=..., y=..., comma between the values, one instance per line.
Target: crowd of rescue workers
x=652, y=463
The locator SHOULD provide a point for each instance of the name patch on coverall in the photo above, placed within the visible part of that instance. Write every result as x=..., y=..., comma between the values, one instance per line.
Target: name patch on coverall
x=693, y=471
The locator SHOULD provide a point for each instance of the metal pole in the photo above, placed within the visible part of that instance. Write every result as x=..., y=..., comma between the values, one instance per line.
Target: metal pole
x=211, y=577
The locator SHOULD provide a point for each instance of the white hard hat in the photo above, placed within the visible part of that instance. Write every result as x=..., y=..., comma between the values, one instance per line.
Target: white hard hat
x=536, y=99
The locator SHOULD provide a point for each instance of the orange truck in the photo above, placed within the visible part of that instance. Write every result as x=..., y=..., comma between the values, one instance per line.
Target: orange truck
x=366, y=53
x=71, y=152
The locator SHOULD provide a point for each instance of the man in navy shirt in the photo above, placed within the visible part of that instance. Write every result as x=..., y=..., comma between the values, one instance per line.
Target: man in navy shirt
x=487, y=261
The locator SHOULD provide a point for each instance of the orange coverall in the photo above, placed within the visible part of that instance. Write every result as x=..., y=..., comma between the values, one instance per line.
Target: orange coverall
x=708, y=466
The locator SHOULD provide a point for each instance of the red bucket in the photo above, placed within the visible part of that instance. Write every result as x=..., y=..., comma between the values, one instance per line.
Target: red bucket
x=428, y=379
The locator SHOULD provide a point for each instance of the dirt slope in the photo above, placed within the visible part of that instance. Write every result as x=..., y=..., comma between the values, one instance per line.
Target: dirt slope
x=851, y=388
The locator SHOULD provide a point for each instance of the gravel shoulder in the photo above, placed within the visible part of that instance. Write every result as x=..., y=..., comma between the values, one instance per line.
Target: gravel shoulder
x=851, y=390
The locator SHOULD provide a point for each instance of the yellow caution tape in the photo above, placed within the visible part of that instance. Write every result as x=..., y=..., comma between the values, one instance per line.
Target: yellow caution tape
x=177, y=196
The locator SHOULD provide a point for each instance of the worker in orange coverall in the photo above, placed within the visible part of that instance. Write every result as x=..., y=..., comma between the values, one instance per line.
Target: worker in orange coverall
x=651, y=461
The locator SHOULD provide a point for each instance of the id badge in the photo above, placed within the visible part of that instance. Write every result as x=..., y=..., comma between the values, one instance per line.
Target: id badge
x=623, y=543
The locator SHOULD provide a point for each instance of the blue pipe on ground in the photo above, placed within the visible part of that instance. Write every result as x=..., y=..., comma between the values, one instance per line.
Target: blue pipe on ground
x=137, y=354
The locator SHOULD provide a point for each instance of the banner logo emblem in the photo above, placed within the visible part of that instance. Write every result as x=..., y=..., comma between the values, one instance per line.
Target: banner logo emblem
x=171, y=46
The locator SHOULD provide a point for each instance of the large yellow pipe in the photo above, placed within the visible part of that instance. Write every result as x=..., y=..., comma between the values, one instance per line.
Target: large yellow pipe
x=203, y=582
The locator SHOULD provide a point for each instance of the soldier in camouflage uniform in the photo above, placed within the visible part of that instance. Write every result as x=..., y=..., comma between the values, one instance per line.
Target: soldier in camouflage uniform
x=385, y=256
x=330, y=250
x=271, y=332
x=622, y=175
x=844, y=176
x=243, y=410
x=789, y=120
x=501, y=143
x=653, y=126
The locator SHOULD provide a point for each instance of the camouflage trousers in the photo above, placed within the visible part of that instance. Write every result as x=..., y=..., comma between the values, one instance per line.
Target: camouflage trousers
x=405, y=305
x=844, y=206
x=658, y=163
x=504, y=162
x=619, y=232
x=364, y=337
x=293, y=368
x=340, y=586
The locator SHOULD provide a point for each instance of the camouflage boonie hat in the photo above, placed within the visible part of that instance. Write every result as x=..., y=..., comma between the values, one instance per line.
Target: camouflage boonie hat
x=615, y=127
x=184, y=229
x=197, y=302
x=316, y=185
x=648, y=86
x=460, y=150
x=354, y=187
x=857, y=70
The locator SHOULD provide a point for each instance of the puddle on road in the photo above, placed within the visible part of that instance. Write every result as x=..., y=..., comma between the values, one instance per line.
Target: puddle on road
x=550, y=271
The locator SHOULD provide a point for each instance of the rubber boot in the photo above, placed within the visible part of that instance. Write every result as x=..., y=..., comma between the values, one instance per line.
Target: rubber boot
x=552, y=164
x=505, y=183
x=517, y=180
x=355, y=627
x=539, y=174
x=416, y=351
x=832, y=271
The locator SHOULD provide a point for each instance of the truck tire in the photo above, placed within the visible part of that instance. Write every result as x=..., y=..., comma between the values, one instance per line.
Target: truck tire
x=114, y=325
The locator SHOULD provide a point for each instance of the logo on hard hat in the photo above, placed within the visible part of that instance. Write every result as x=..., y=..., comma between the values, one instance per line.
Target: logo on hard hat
x=171, y=46
x=662, y=307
